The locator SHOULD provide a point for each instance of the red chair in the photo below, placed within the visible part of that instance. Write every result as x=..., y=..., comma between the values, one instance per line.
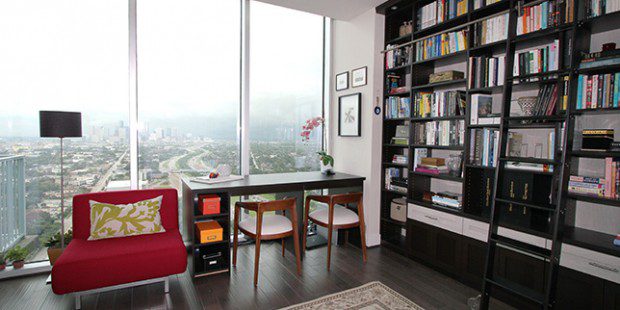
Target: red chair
x=89, y=266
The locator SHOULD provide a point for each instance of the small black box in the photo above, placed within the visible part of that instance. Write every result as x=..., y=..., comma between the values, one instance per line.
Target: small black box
x=597, y=139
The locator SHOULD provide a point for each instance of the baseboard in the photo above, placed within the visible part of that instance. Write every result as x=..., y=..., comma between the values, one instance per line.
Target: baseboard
x=373, y=240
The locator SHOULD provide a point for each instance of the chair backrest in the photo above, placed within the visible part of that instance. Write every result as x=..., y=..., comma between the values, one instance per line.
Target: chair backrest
x=81, y=207
x=347, y=198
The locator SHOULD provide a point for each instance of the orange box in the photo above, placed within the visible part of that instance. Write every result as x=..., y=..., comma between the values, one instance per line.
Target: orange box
x=209, y=204
x=210, y=231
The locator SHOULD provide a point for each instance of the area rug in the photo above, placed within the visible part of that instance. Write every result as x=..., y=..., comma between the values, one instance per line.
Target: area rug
x=370, y=296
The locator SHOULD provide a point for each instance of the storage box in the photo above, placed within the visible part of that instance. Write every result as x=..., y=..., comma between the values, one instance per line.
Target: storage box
x=597, y=139
x=209, y=204
x=445, y=76
x=398, y=210
x=210, y=231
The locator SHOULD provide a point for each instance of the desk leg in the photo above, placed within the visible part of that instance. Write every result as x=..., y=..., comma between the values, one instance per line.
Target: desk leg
x=290, y=246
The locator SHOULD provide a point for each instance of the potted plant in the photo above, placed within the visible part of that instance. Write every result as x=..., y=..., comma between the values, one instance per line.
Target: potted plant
x=327, y=163
x=17, y=255
x=2, y=262
x=53, y=245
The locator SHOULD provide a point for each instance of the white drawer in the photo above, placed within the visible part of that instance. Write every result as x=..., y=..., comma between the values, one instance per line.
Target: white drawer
x=590, y=262
x=436, y=218
x=523, y=237
x=475, y=229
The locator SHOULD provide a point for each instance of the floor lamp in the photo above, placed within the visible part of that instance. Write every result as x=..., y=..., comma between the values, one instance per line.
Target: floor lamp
x=57, y=124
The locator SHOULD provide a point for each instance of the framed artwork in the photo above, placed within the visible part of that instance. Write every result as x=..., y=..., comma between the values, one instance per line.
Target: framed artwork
x=342, y=81
x=358, y=77
x=349, y=115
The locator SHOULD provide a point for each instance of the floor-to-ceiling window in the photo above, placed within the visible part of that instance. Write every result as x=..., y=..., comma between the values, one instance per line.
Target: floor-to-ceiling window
x=68, y=55
x=73, y=55
x=286, y=88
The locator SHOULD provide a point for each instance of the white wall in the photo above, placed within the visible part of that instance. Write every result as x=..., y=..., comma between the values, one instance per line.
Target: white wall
x=357, y=43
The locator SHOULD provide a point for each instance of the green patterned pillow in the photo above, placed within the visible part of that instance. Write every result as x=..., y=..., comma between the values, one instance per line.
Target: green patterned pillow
x=112, y=221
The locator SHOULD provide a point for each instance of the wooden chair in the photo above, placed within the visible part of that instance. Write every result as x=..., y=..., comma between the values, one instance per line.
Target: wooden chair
x=336, y=216
x=267, y=227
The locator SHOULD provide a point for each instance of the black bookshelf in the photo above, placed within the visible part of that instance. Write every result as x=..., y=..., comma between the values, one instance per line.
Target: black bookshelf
x=574, y=39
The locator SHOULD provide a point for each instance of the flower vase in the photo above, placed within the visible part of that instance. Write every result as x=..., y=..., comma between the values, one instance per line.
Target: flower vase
x=326, y=169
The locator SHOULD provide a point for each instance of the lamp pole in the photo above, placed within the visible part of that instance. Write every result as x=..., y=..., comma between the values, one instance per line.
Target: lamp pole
x=62, y=201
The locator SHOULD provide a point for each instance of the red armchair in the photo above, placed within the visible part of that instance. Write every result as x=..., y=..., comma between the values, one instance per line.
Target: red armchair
x=114, y=263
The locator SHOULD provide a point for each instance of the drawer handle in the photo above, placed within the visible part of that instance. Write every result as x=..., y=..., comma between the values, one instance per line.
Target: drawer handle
x=430, y=217
x=603, y=267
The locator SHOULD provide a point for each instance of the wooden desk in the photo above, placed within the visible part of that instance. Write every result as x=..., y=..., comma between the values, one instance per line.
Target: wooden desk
x=282, y=184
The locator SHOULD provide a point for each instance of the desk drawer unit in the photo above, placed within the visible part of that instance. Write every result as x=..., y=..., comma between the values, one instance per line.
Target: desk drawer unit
x=439, y=219
x=594, y=263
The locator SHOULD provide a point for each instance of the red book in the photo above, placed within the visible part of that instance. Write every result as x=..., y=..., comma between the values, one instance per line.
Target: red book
x=426, y=170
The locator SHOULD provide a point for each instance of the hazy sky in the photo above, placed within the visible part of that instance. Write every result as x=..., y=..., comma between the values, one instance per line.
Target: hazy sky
x=73, y=55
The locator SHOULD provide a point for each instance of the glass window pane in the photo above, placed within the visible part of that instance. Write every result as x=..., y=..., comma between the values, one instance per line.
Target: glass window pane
x=188, y=89
x=68, y=55
x=286, y=86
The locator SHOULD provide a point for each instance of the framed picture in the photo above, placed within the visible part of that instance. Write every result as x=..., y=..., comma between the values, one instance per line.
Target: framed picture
x=342, y=81
x=349, y=115
x=358, y=77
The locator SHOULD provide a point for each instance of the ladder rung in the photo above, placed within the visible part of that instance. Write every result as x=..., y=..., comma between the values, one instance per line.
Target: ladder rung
x=521, y=246
x=525, y=204
x=518, y=289
x=532, y=160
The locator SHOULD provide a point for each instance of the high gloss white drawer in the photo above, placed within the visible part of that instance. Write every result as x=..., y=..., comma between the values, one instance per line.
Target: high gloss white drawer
x=475, y=229
x=436, y=218
x=590, y=262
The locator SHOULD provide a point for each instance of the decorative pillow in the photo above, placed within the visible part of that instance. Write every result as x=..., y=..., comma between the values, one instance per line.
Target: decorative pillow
x=112, y=221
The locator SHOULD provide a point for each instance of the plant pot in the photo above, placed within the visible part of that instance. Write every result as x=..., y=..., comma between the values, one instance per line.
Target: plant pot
x=53, y=254
x=326, y=169
x=2, y=267
x=18, y=264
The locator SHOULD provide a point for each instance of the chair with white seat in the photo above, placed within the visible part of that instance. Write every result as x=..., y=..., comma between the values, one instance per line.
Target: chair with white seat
x=267, y=227
x=336, y=216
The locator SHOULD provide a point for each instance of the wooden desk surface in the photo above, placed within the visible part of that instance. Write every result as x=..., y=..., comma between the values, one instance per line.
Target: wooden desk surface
x=277, y=182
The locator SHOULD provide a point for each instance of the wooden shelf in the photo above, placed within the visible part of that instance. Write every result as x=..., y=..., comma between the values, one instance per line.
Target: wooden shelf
x=595, y=199
x=199, y=217
x=432, y=59
x=596, y=111
x=393, y=222
x=441, y=27
x=439, y=147
x=600, y=69
x=542, y=75
x=441, y=176
x=531, y=160
x=405, y=93
x=431, y=205
x=398, y=68
x=590, y=239
x=397, y=119
x=395, y=145
x=211, y=243
x=485, y=89
x=496, y=44
x=406, y=37
x=437, y=118
x=393, y=192
x=438, y=84
x=390, y=164
x=545, y=33
x=595, y=154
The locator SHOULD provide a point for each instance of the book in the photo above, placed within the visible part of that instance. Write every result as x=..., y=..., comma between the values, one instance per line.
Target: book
x=418, y=154
x=486, y=71
x=433, y=161
x=439, y=104
x=598, y=91
x=484, y=146
x=543, y=16
x=596, y=8
x=537, y=60
x=441, y=44
x=397, y=107
x=490, y=30
x=440, y=133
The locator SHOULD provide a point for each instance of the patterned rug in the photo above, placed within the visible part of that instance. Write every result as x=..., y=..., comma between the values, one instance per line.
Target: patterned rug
x=370, y=296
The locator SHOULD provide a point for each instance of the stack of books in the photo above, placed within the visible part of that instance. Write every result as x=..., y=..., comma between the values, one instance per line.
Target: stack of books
x=439, y=104
x=394, y=180
x=401, y=137
x=441, y=44
x=482, y=3
x=400, y=159
x=598, y=91
x=481, y=110
x=484, y=146
x=601, y=7
x=431, y=165
x=397, y=57
x=612, y=177
x=394, y=84
x=486, y=71
x=491, y=30
x=513, y=165
x=538, y=17
x=441, y=133
x=590, y=186
x=599, y=59
x=397, y=107
x=448, y=199
x=537, y=60
x=440, y=11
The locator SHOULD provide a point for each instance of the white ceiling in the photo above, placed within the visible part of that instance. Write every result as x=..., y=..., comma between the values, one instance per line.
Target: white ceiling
x=337, y=9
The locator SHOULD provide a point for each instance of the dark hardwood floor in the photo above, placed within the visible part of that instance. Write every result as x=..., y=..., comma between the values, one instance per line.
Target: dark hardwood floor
x=278, y=284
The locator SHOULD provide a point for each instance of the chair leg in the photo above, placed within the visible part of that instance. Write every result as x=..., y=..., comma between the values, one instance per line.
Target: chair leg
x=235, y=236
x=167, y=285
x=329, y=246
x=296, y=240
x=256, y=260
x=282, y=247
x=360, y=213
x=78, y=301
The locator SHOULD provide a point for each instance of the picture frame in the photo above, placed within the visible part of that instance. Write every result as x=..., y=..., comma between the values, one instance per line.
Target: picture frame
x=359, y=77
x=349, y=115
x=342, y=81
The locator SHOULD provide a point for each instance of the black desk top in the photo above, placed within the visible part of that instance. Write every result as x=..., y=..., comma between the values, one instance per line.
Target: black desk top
x=278, y=182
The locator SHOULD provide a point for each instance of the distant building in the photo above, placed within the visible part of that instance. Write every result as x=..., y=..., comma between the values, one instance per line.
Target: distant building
x=122, y=185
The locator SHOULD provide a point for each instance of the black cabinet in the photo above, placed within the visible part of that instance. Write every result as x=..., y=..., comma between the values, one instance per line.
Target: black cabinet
x=464, y=259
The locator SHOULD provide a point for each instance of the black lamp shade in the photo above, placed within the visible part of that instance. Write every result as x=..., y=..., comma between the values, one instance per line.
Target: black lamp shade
x=57, y=124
